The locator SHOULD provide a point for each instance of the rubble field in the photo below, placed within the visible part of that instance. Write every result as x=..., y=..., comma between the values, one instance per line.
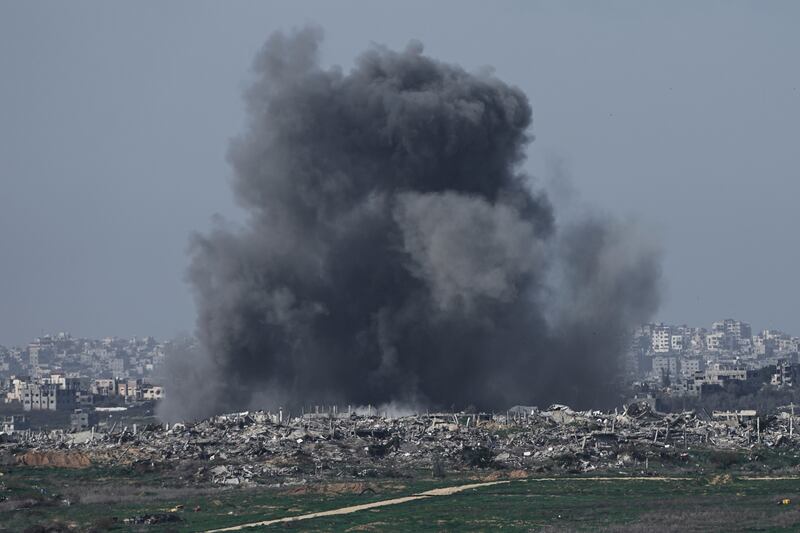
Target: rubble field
x=260, y=448
x=321, y=460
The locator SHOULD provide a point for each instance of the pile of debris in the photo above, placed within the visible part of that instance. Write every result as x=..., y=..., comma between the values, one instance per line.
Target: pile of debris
x=261, y=447
x=151, y=519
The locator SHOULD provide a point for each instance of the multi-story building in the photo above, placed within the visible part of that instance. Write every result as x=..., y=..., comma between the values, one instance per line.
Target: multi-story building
x=715, y=341
x=697, y=340
x=761, y=347
x=117, y=367
x=130, y=388
x=783, y=375
x=729, y=335
x=719, y=373
x=690, y=366
x=81, y=419
x=735, y=329
x=715, y=374
x=666, y=367
x=745, y=347
x=151, y=392
x=104, y=387
x=14, y=423
x=44, y=397
x=661, y=338
x=40, y=352
x=676, y=343
x=787, y=345
x=15, y=385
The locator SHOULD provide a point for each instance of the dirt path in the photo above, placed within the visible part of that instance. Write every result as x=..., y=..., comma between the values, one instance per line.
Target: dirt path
x=446, y=491
x=611, y=478
x=767, y=478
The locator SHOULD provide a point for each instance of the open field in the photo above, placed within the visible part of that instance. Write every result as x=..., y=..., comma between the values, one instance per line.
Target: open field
x=100, y=500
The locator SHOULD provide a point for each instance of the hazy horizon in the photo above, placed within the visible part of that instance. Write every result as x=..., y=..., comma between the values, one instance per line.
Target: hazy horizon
x=115, y=122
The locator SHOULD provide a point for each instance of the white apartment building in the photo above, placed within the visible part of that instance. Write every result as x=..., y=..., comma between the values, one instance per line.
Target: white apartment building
x=735, y=329
x=715, y=341
x=676, y=343
x=661, y=339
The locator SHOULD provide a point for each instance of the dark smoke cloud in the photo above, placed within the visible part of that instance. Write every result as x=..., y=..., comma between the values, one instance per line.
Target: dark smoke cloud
x=394, y=251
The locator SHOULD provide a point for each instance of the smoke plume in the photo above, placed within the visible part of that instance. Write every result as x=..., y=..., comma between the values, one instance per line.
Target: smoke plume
x=394, y=250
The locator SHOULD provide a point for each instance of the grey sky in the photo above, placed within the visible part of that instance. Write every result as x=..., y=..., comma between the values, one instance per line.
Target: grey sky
x=115, y=119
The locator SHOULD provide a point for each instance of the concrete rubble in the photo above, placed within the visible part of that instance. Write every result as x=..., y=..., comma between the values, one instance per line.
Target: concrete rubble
x=261, y=447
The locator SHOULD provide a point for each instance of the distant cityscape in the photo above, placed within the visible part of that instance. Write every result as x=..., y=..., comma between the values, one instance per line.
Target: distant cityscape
x=110, y=357
x=682, y=360
x=81, y=376
x=84, y=377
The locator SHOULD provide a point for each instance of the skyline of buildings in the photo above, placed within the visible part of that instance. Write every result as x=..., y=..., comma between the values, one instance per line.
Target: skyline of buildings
x=680, y=360
x=59, y=371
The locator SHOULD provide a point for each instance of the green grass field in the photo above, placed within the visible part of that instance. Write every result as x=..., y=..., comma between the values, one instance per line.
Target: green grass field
x=38, y=496
x=35, y=497
x=589, y=505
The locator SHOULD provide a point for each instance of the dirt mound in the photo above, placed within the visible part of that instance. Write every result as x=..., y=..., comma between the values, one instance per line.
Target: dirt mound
x=721, y=479
x=517, y=474
x=504, y=474
x=57, y=459
x=333, y=488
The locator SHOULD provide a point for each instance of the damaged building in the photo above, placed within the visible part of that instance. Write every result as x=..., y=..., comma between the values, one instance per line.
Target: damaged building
x=277, y=448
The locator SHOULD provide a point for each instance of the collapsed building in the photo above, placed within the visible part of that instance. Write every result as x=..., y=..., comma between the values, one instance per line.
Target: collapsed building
x=273, y=448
